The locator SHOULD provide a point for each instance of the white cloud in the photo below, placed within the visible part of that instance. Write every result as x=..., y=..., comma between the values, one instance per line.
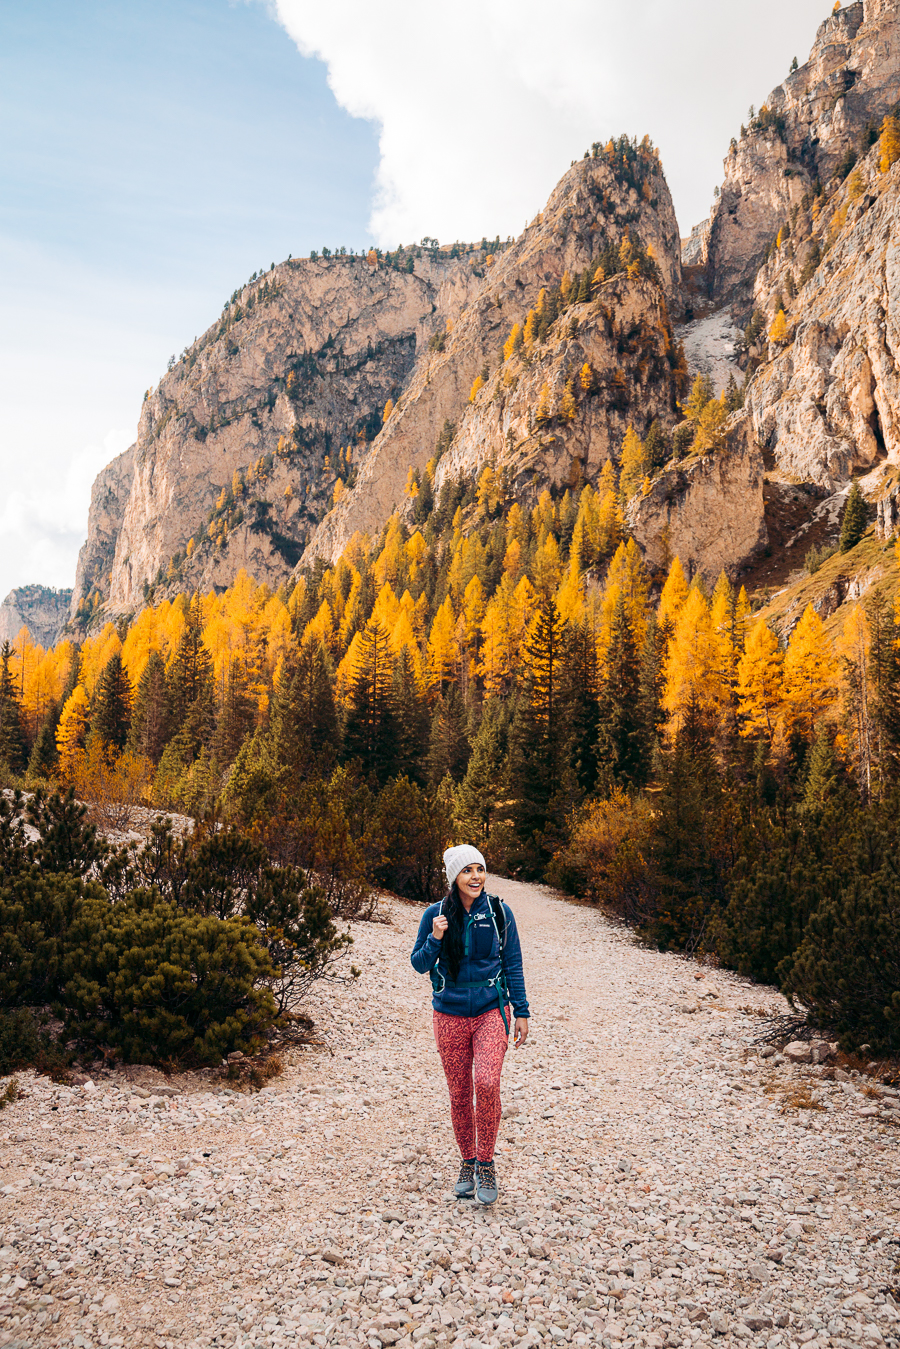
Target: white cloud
x=482, y=105
x=43, y=526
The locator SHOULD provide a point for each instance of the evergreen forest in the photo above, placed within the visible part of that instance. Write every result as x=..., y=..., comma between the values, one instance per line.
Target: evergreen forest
x=484, y=671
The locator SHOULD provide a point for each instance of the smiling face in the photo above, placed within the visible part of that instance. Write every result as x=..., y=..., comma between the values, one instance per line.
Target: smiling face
x=470, y=882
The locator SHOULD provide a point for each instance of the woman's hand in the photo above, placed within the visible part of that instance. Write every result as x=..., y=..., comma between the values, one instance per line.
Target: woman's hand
x=521, y=1032
x=438, y=927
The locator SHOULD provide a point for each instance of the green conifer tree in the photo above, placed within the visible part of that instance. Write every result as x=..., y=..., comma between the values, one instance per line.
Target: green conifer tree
x=236, y=715
x=412, y=721
x=44, y=754
x=539, y=757
x=448, y=745
x=653, y=682
x=476, y=798
x=656, y=445
x=306, y=729
x=581, y=699
x=370, y=732
x=12, y=738
x=683, y=855
x=821, y=775
x=191, y=710
x=111, y=713
x=846, y=971
x=853, y=520
x=150, y=726
x=623, y=750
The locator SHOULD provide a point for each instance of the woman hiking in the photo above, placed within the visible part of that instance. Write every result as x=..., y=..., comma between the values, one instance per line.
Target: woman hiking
x=469, y=944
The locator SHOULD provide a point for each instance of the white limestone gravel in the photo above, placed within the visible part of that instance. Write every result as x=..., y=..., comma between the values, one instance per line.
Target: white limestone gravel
x=657, y=1186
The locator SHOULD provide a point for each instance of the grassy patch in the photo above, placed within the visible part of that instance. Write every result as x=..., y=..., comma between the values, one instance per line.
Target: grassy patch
x=872, y=563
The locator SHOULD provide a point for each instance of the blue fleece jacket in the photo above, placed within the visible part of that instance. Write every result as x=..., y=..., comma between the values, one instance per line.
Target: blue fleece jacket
x=480, y=961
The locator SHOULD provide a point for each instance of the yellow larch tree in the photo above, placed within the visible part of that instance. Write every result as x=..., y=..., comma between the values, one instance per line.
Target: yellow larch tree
x=743, y=619
x=352, y=617
x=513, y=561
x=547, y=566
x=443, y=648
x=516, y=524
x=779, y=332
x=889, y=143
x=472, y=617
x=674, y=593
x=692, y=676
x=390, y=565
x=633, y=465
x=386, y=609
x=71, y=733
x=570, y=596
x=544, y=410
x=416, y=552
x=513, y=342
x=488, y=491
x=507, y=619
x=711, y=424
x=627, y=577
x=476, y=388
x=321, y=628
x=568, y=408
x=759, y=672
x=543, y=517
x=96, y=652
x=345, y=674
x=810, y=674
x=388, y=409
x=858, y=696
x=722, y=619
x=46, y=674
x=402, y=638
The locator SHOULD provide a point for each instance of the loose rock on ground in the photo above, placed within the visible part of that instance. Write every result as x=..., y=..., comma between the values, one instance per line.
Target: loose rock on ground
x=663, y=1182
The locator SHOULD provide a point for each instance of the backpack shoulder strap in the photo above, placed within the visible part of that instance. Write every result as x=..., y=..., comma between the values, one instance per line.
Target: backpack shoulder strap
x=499, y=920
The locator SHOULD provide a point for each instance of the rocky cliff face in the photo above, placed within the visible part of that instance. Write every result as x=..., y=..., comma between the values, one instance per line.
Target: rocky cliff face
x=41, y=609
x=800, y=136
x=591, y=209
x=109, y=499
x=827, y=401
x=267, y=447
x=625, y=339
x=241, y=445
x=708, y=512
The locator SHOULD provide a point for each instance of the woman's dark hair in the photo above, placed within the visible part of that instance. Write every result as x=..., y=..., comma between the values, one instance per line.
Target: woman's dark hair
x=452, y=952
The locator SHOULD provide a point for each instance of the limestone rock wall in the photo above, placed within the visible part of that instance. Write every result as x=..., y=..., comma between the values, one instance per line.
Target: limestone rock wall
x=298, y=367
x=708, y=511
x=43, y=610
x=109, y=498
x=811, y=120
x=828, y=401
x=626, y=339
x=589, y=208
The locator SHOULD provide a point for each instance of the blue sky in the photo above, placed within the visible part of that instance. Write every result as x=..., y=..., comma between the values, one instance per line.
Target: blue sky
x=154, y=153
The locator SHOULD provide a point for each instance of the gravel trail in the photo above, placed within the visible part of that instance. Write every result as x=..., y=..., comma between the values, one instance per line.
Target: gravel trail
x=658, y=1184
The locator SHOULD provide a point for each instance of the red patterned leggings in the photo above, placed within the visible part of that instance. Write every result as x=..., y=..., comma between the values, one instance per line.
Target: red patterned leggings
x=472, y=1050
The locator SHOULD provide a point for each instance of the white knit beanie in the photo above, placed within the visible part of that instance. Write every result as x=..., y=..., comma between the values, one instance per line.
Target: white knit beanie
x=457, y=858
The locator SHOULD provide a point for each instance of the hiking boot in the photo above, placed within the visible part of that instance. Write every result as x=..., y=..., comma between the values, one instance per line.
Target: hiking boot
x=486, y=1183
x=465, y=1186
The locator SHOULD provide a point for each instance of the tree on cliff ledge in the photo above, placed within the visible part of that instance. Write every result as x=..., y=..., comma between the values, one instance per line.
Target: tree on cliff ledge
x=853, y=521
